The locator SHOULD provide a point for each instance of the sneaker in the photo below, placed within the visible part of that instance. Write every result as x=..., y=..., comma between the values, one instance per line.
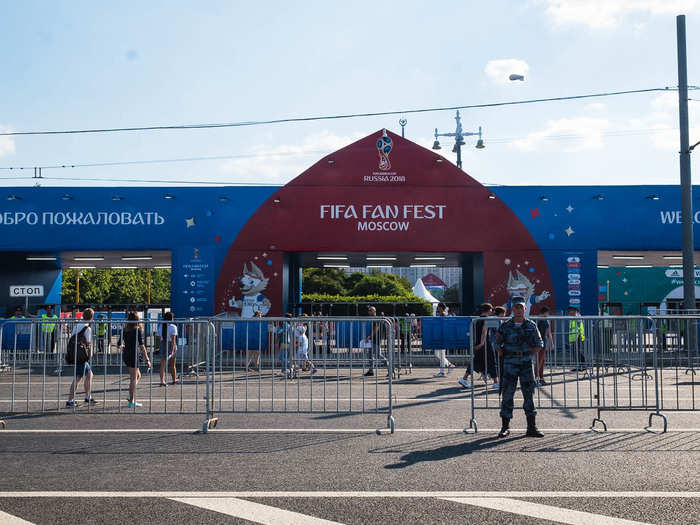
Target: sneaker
x=369, y=373
x=496, y=385
x=464, y=383
x=314, y=370
x=440, y=374
x=72, y=404
x=542, y=382
x=90, y=401
x=483, y=378
x=135, y=404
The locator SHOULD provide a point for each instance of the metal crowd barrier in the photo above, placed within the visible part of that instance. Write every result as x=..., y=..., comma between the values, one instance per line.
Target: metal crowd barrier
x=36, y=378
x=341, y=365
x=329, y=365
x=334, y=365
x=622, y=363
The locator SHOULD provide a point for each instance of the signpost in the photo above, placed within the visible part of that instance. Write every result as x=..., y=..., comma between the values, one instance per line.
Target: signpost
x=26, y=291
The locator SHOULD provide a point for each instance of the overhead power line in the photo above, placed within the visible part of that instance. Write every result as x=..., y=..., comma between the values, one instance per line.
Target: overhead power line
x=272, y=154
x=336, y=117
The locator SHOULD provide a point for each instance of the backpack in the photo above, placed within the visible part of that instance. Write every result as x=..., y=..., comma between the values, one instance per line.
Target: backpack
x=81, y=345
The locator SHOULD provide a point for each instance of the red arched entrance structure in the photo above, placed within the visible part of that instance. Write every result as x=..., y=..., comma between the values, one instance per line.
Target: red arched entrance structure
x=382, y=193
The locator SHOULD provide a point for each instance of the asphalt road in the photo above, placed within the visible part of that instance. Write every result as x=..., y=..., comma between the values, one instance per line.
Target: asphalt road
x=90, y=467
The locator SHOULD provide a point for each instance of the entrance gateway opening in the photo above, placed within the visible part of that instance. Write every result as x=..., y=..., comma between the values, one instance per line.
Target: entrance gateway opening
x=643, y=282
x=111, y=282
x=448, y=277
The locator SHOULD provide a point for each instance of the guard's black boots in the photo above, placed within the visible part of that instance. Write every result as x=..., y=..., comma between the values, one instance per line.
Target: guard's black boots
x=505, y=427
x=532, y=430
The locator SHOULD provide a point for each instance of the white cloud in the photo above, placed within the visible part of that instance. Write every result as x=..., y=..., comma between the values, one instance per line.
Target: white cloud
x=587, y=132
x=608, y=13
x=499, y=70
x=284, y=162
x=7, y=144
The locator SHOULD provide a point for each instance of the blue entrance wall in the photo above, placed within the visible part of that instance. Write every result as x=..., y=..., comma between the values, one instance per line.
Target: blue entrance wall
x=565, y=221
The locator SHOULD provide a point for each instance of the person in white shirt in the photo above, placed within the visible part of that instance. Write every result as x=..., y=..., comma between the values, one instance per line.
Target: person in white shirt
x=82, y=370
x=168, y=347
x=302, y=346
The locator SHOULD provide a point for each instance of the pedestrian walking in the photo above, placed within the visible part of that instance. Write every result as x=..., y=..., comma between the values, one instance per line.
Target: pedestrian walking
x=80, y=348
x=441, y=356
x=485, y=359
x=373, y=344
x=168, y=349
x=545, y=328
x=301, y=341
x=133, y=347
x=519, y=341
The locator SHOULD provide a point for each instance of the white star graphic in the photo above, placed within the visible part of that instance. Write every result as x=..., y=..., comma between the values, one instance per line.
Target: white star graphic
x=569, y=208
x=569, y=231
x=624, y=279
x=190, y=222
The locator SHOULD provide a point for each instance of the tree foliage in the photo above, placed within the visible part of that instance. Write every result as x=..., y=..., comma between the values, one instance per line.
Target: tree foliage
x=336, y=282
x=115, y=286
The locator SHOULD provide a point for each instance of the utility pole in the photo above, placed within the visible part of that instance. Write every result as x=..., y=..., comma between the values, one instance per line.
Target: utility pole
x=686, y=186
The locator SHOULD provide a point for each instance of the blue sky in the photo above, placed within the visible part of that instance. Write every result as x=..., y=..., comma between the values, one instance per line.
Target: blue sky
x=72, y=65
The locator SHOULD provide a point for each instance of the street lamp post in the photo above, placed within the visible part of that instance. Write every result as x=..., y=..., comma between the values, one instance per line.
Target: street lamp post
x=459, y=135
x=78, y=275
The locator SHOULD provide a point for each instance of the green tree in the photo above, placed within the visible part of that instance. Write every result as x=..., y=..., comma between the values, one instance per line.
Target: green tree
x=116, y=286
x=323, y=281
x=379, y=284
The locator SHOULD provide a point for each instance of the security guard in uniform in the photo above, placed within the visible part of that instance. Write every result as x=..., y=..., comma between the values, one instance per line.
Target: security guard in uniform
x=519, y=341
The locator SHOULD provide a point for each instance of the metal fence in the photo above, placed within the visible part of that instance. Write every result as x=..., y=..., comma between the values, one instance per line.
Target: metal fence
x=305, y=364
x=328, y=365
x=36, y=375
x=340, y=365
x=629, y=363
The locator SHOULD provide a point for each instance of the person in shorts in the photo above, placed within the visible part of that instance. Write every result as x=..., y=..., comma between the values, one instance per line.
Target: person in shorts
x=133, y=344
x=82, y=371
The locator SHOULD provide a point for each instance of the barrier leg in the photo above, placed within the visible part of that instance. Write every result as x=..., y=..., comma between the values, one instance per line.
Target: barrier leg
x=472, y=426
x=658, y=414
x=598, y=420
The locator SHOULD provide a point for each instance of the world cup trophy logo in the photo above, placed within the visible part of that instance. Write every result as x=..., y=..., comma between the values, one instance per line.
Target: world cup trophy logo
x=384, y=147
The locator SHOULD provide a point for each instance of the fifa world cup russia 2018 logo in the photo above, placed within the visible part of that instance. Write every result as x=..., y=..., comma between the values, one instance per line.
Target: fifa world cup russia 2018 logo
x=384, y=147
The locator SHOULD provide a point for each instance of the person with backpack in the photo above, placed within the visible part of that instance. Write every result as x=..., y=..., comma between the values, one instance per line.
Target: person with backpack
x=78, y=354
x=168, y=347
x=133, y=342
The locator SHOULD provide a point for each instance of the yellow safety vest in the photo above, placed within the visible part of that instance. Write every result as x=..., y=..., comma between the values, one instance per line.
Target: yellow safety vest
x=48, y=327
x=576, y=331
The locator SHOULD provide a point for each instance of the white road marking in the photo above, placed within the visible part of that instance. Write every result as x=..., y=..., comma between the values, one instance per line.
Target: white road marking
x=9, y=519
x=545, y=512
x=251, y=511
x=350, y=494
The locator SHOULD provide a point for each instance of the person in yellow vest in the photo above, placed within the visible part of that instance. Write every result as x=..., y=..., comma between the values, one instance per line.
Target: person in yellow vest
x=101, y=333
x=48, y=330
x=576, y=338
